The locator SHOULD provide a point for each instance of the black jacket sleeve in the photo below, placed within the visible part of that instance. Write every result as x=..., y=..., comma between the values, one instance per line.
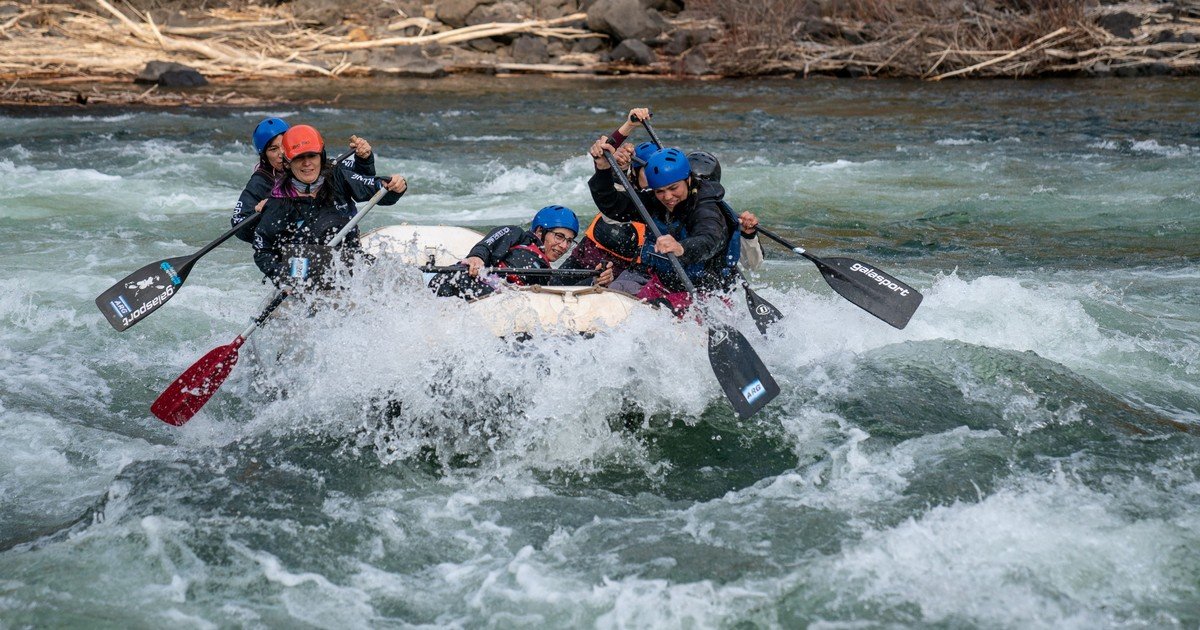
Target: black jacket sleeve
x=362, y=166
x=609, y=200
x=257, y=189
x=494, y=247
x=361, y=187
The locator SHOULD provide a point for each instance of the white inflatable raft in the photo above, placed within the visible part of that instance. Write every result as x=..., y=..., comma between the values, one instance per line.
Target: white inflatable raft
x=514, y=310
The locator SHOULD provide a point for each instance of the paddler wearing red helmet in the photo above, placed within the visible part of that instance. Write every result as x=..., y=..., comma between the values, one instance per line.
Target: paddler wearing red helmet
x=267, y=139
x=309, y=203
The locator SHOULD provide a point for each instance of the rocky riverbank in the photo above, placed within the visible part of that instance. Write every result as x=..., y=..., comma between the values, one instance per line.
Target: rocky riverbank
x=165, y=52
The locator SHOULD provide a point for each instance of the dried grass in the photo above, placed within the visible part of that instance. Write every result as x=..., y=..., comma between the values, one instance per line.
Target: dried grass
x=256, y=42
x=937, y=39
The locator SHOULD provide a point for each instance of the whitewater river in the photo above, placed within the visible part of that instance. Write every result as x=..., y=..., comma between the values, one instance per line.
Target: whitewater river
x=1025, y=453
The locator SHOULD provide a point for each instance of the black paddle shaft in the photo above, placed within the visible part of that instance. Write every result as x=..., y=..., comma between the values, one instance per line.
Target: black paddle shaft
x=516, y=271
x=649, y=130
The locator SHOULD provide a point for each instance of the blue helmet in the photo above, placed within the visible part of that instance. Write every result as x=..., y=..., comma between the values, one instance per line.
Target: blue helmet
x=266, y=131
x=642, y=152
x=552, y=217
x=666, y=167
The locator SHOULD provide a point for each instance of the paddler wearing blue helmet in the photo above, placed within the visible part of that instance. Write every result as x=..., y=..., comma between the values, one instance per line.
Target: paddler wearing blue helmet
x=694, y=226
x=267, y=139
x=550, y=235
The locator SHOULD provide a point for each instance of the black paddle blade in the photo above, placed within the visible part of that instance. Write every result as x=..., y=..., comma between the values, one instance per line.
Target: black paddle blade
x=763, y=312
x=871, y=290
x=143, y=291
x=747, y=383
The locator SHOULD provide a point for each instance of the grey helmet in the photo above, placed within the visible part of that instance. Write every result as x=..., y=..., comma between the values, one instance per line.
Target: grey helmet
x=704, y=166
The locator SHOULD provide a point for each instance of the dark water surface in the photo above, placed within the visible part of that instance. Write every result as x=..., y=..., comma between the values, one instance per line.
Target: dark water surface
x=1023, y=454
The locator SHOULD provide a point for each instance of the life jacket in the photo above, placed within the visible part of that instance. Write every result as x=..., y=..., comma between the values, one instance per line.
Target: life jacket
x=698, y=272
x=623, y=240
x=523, y=256
x=304, y=248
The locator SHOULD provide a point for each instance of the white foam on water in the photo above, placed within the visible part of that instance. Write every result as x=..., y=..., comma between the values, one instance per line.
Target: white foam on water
x=482, y=576
x=1153, y=147
x=1042, y=554
x=1009, y=313
x=1035, y=553
x=442, y=361
x=311, y=597
x=260, y=114
x=54, y=469
x=958, y=142
x=483, y=138
x=1051, y=316
x=519, y=179
x=837, y=165
x=486, y=194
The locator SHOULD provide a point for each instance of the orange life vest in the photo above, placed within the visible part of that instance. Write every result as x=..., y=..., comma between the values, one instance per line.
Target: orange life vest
x=617, y=238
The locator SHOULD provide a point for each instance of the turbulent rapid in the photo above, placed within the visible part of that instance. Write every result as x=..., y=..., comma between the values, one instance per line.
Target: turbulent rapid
x=1022, y=454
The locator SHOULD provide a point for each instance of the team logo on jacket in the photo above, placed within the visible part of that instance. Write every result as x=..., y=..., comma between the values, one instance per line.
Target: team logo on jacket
x=299, y=267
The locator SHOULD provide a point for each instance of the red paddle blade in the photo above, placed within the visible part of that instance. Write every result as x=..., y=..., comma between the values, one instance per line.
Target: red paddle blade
x=179, y=402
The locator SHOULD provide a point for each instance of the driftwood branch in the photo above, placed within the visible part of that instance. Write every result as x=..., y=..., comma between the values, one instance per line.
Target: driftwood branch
x=1041, y=41
x=544, y=28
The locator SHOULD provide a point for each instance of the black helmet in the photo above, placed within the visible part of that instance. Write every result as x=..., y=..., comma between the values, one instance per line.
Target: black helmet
x=704, y=166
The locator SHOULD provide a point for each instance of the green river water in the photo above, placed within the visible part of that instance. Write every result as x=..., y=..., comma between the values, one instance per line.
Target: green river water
x=1024, y=454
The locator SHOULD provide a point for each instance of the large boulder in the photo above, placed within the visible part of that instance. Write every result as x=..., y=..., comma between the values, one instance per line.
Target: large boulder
x=550, y=9
x=625, y=19
x=1120, y=24
x=454, y=12
x=499, y=12
x=408, y=61
x=587, y=45
x=326, y=12
x=665, y=6
x=695, y=63
x=170, y=74
x=530, y=50
x=633, y=51
x=688, y=38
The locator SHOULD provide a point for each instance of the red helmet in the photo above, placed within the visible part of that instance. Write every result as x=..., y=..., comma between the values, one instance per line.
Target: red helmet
x=301, y=139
